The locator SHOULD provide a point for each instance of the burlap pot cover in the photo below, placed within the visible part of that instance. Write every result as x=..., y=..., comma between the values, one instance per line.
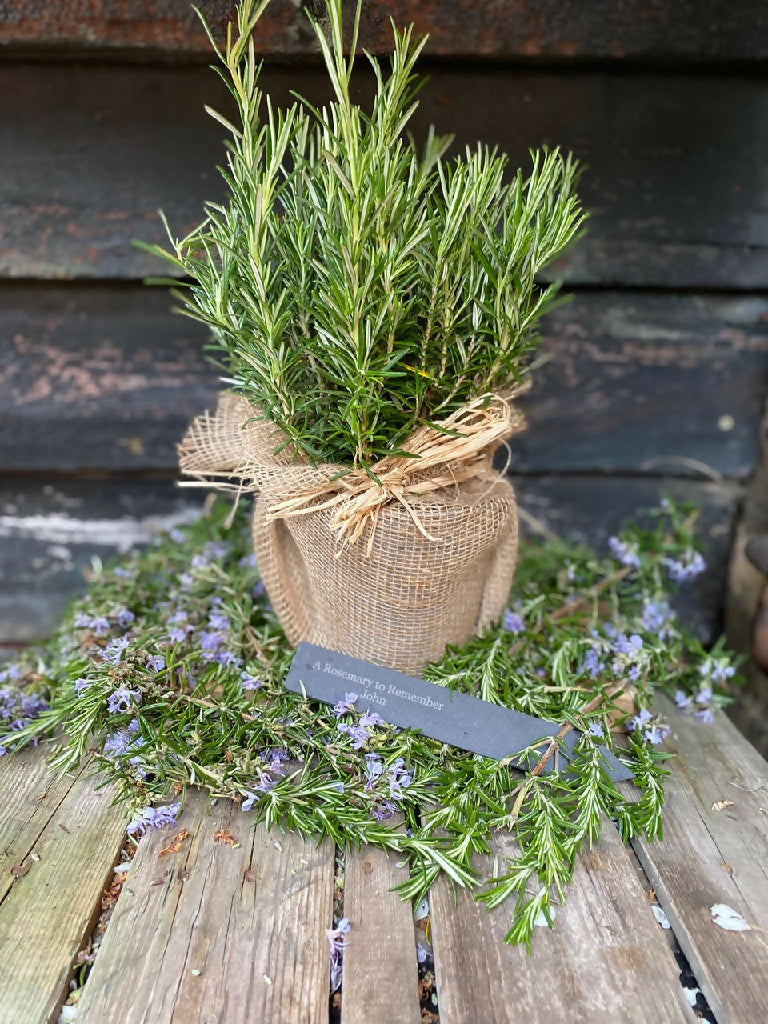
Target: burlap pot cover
x=397, y=601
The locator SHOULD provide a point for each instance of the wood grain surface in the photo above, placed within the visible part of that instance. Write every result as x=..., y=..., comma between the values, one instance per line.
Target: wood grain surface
x=380, y=976
x=89, y=159
x=99, y=378
x=217, y=933
x=605, y=961
x=715, y=850
x=48, y=913
x=31, y=795
x=604, y=29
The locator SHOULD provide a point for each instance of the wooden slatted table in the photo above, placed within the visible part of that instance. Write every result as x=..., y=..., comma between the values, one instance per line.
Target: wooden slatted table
x=216, y=933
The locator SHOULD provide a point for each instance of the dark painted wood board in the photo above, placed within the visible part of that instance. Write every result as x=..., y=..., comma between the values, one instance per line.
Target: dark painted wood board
x=567, y=30
x=675, y=162
x=712, y=856
x=381, y=975
x=48, y=914
x=648, y=383
x=605, y=961
x=96, y=377
x=49, y=533
x=217, y=933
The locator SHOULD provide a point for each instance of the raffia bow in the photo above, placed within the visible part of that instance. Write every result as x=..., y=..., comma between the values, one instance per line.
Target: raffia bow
x=235, y=444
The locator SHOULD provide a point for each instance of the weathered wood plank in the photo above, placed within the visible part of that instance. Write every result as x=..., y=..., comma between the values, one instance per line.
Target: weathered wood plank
x=98, y=378
x=570, y=30
x=49, y=911
x=216, y=934
x=712, y=856
x=52, y=528
x=49, y=532
x=101, y=378
x=31, y=795
x=381, y=973
x=648, y=383
x=88, y=160
x=605, y=961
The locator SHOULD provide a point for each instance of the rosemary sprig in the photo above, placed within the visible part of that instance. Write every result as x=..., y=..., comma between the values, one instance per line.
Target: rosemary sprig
x=171, y=667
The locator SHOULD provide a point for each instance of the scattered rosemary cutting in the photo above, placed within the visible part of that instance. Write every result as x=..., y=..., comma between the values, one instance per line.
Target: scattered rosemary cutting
x=171, y=665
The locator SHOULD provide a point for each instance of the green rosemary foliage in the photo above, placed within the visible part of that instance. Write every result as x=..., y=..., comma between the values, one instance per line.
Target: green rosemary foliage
x=172, y=666
x=354, y=286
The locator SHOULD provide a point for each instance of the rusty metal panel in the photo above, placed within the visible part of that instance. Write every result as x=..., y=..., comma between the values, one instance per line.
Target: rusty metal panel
x=672, y=30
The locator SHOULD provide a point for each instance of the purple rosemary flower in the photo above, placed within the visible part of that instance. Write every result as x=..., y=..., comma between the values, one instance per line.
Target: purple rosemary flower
x=513, y=623
x=153, y=817
x=155, y=662
x=592, y=663
x=249, y=682
x=337, y=944
x=250, y=800
x=98, y=625
x=703, y=715
x=383, y=811
x=687, y=567
x=121, y=573
x=266, y=782
x=123, y=699
x=177, y=618
x=227, y=658
x=399, y=778
x=682, y=699
x=624, y=552
x=704, y=696
x=10, y=674
x=716, y=671
x=116, y=744
x=81, y=685
x=640, y=720
x=248, y=561
x=113, y=652
x=374, y=766
x=358, y=734
x=124, y=617
x=657, y=617
x=210, y=641
x=595, y=729
x=259, y=590
x=177, y=635
x=371, y=718
x=176, y=535
x=346, y=705
x=657, y=733
x=218, y=621
x=421, y=953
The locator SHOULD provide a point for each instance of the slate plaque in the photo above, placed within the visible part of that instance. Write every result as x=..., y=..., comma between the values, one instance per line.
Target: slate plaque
x=411, y=703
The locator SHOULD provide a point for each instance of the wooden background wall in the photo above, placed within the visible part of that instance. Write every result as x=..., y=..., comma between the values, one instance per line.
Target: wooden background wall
x=659, y=366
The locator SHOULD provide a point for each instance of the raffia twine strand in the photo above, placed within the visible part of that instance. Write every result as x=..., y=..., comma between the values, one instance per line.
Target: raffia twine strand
x=456, y=450
x=226, y=446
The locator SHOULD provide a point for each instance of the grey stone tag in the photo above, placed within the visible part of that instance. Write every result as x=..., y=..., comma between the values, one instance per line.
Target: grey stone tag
x=411, y=703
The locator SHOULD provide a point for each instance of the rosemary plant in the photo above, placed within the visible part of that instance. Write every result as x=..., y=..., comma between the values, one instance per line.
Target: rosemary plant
x=172, y=666
x=357, y=287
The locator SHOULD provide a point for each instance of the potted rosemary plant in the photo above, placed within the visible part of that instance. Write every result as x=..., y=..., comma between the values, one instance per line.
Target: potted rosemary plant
x=374, y=306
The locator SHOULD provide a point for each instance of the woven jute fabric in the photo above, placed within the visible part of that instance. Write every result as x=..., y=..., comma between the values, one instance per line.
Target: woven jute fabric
x=390, y=572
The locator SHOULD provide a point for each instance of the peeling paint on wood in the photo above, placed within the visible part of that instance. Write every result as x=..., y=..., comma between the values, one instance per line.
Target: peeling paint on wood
x=550, y=29
x=98, y=378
